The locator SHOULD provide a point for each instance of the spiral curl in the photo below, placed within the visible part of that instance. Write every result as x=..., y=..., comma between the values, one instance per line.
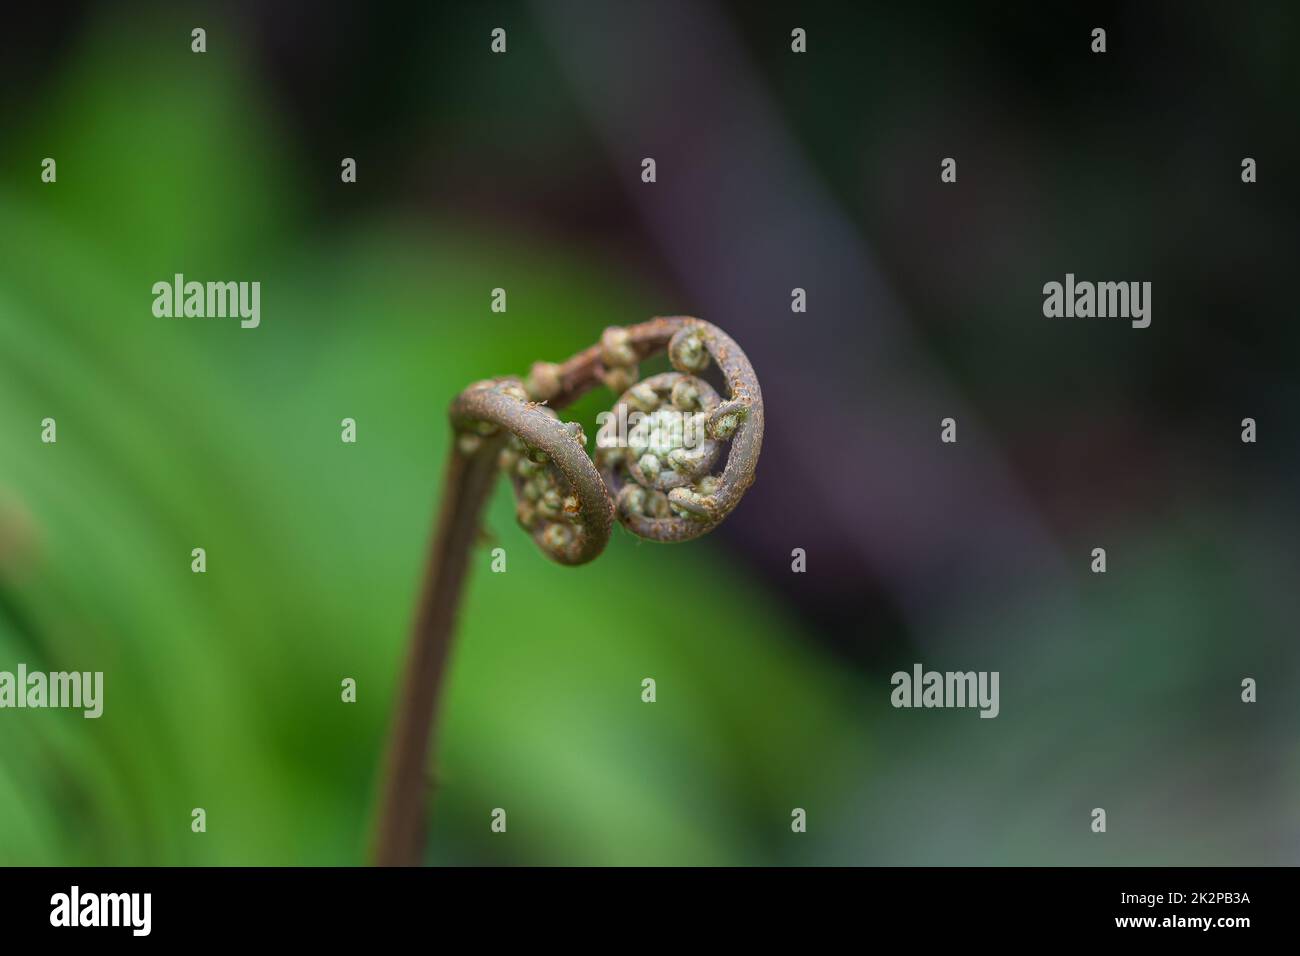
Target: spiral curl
x=660, y=485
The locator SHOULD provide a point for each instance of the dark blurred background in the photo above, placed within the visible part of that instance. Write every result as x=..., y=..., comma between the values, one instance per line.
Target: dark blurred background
x=775, y=170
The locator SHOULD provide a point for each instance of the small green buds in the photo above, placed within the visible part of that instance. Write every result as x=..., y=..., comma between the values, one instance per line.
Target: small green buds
x=687, y=352
x=725, y=419
x=616, y=347
x=642, y=397
x=557, y=537
x=544, y=381
x=686, y=394
x=619, y=378
x=687, y=503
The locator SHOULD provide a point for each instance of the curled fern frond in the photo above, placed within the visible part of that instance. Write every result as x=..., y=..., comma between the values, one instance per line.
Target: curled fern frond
x=665, y=484
x=662, y=482
x=561, y=499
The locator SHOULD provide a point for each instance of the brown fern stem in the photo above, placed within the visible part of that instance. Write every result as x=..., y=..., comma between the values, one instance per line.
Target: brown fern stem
x=399, y=838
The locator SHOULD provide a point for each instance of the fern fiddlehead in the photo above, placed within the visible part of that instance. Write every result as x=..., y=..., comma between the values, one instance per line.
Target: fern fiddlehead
x=658, y=479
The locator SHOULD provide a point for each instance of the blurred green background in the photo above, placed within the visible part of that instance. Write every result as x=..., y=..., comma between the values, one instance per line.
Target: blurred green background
x=222, y=690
